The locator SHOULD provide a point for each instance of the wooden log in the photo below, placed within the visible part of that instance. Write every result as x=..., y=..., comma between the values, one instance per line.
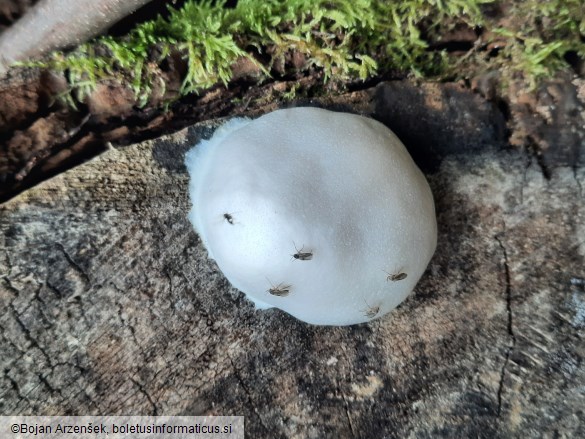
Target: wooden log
x=109, y=305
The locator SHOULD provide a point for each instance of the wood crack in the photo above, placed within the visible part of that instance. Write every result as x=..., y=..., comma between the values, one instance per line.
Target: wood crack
x=74, y=264
x=27, y=334
x=510, y=322
x=579, y=185
x=14, y=385
x=349, y=420
x=146, y=395
x=248, y=395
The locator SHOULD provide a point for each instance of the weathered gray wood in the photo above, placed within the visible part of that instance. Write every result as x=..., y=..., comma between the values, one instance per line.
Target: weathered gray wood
x=108, y=305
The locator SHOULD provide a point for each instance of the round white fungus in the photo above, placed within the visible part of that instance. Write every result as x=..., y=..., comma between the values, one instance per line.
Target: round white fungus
x=321, y=214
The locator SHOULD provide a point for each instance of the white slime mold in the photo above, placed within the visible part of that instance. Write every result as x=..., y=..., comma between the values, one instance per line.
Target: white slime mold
x=321, y=214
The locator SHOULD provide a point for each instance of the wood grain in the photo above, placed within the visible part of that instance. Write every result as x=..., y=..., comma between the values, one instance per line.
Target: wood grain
x=109, y=305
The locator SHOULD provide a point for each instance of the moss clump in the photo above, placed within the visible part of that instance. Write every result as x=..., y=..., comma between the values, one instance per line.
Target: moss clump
x=341, y=39
x=533, y=40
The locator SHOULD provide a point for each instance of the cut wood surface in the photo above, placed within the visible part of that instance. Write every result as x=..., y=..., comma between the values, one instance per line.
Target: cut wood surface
x=109, y=305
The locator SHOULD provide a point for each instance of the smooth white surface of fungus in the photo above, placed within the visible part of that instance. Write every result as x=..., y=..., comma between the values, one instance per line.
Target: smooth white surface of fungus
x=321, y=214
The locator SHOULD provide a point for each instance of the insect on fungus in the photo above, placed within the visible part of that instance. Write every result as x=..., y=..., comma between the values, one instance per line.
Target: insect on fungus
x=229, y=218
x=371, y=311
x=396, y=276
x=301, y=255
x=279, y=290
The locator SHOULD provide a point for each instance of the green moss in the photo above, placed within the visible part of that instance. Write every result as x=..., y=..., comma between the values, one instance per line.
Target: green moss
x=539, y=37
x=341, y=39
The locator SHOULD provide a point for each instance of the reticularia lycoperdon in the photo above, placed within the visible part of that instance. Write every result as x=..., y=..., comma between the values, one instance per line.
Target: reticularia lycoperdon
x=321, y=214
